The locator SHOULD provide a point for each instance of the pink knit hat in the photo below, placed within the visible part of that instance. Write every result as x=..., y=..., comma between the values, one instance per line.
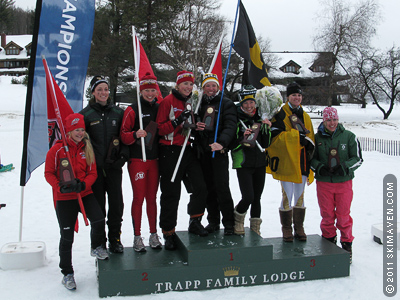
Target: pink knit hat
x=330, y=113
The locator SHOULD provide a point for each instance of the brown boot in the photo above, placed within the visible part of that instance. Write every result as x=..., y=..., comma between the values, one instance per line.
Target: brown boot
x=298, y=221
x=238, y=228
x=255, y=225
x=286, y=221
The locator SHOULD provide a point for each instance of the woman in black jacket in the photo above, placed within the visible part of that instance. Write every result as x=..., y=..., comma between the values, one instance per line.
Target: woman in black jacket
x=103, y=121
x=250, y=162
x=216, y=169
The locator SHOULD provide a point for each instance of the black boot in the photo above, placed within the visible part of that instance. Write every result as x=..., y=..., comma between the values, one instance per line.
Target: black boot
x=170, y=241
x=212, y=227
x=115, y=245
x=195, y=227
x=348, y=247
x=332, y=239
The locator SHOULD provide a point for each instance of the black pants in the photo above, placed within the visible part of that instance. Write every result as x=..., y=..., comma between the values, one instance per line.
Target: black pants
x=109, y=182
x=219, y=198
x=171, y=191
x=251, y=183
x=67, y=212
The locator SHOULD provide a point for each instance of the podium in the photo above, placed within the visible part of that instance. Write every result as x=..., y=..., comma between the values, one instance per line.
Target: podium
x=219, y=261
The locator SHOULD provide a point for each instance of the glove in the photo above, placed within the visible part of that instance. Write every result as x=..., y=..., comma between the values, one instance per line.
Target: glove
x=324, y=171
x=339, y=170
x=182, y=118
x=303, y=140
x=119, y=163
x=76, y=186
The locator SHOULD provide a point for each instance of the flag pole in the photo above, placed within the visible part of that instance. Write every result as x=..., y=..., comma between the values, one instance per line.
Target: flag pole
x=137, y=62
x=226, y=73
x=62, y=130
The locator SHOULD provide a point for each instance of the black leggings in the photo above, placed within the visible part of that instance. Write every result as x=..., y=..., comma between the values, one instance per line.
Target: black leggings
x=251, y=183
x=67, y=213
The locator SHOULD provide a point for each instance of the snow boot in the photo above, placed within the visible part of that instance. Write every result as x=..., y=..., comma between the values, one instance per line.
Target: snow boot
x=332, y=239
x=298, y=222
x=195, y=227
x=255, y=225
x=170, y=240
x=286, y=221
x=348, y=247
x=238, y=228
x=115, y=245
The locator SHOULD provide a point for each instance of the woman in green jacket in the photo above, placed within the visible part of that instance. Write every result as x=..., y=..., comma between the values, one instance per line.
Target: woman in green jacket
x=337, y=155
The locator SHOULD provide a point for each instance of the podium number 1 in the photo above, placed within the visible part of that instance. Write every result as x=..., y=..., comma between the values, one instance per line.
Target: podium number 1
x=231, y=255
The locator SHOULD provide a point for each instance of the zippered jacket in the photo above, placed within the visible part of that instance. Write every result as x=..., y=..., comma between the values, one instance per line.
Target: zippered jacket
x=348, y=147
x=130, y=125
x=249, y=157
x=82, y=170
x=102, y=124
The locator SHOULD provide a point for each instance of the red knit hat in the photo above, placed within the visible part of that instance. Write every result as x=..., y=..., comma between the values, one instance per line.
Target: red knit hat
x=74, y=121
x=148, y=81
x=330, y=113
x=183, y=76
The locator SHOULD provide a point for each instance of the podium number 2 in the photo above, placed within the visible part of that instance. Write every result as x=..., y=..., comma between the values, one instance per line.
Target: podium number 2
x=144, y=274
x=231, y=256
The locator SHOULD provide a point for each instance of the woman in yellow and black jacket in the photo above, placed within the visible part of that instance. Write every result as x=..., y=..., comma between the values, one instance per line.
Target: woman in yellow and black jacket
x=289, y=157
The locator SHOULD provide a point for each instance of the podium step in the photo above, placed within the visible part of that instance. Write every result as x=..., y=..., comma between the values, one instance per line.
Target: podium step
x=218, y=261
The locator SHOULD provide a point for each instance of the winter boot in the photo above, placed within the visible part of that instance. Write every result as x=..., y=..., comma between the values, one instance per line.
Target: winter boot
x=115, y=245
x=195, y=227
x=286, y=221
x=332, y=239
x=348, y=247
x=255, y=225
x=212, y=227
x=298, y=221
x=170, y=240
x=238, y=228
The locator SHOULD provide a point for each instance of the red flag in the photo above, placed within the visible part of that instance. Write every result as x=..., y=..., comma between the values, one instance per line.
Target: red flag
x=144, y=64
x=58, y=109
x=56, y=130
x=216, y=65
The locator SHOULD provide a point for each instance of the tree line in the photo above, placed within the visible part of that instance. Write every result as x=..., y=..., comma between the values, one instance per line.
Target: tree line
x=183, y=34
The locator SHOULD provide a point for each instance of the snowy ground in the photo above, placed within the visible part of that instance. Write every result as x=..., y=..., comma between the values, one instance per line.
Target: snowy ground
x=40, y=223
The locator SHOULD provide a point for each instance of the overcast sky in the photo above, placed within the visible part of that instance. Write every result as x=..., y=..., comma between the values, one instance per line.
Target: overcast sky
x=290, y=24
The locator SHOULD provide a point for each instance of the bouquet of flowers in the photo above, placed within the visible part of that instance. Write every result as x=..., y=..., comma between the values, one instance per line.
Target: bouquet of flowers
x=268, y=101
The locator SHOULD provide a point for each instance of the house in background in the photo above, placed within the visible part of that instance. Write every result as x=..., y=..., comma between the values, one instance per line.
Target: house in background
x=15, y=52
x=312, y=71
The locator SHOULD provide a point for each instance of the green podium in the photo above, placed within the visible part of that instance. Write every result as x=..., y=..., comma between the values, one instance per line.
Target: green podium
x=219, y=261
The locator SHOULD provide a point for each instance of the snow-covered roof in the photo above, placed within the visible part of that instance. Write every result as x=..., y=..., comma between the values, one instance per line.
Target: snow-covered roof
x=304, y=59
x=21, y=40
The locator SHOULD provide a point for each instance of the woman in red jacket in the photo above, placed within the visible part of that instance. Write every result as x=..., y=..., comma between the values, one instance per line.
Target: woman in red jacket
x=171, y=115
x=65, y=195
x=143, y=174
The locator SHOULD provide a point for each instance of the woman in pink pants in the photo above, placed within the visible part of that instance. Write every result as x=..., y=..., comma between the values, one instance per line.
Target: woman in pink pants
x=337, y=155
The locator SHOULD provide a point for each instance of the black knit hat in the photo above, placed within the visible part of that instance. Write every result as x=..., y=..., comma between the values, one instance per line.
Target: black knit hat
x=96, y=80
x=293, y=88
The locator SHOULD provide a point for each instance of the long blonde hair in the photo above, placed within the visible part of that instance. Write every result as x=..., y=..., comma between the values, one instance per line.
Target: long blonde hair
x=88, y=148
